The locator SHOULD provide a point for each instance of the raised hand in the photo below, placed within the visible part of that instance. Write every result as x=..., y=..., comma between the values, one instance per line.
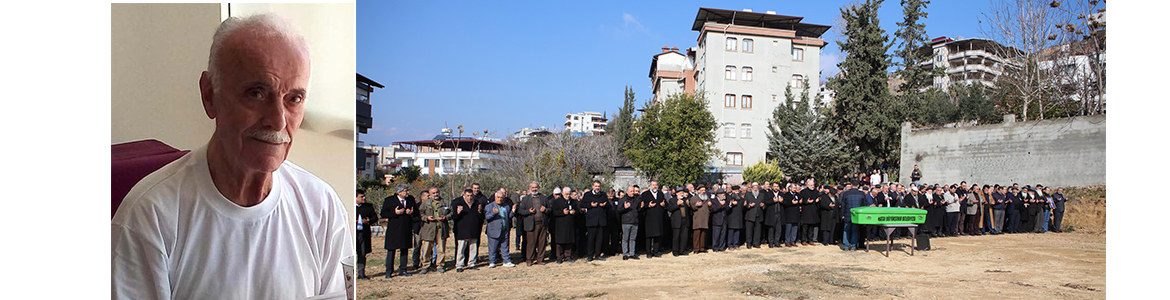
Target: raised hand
x=627, y=205
x=542, y=209
x=399, y=211
x=409, y=211
x=496, y=210
x=532, y=210
x=603, y=203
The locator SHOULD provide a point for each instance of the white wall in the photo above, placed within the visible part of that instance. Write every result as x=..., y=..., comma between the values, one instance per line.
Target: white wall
x=159, y=51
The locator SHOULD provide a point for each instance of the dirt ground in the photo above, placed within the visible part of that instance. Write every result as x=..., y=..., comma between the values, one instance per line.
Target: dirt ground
x=1049, y=265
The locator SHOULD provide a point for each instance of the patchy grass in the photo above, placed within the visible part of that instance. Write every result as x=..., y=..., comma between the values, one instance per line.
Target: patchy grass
x=1085, y=209
x=795, y=281
x=594, y=294
x=375, y=295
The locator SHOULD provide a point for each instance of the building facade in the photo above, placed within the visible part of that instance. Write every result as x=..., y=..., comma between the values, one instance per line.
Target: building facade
x=447, y=154
x=742, y=63
x=364, y=122
x=966, y=61
x=586, y=123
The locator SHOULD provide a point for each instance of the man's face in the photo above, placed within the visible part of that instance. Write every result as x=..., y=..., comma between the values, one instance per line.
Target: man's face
x=533, y=187
x=434, y=193
x=259, y=103
x=361, y=198
x=467, y=196
x=475, y=189
x=690, y=187
x=402, y=194
x=653, y=185
x=775, y=186
x=596, y=186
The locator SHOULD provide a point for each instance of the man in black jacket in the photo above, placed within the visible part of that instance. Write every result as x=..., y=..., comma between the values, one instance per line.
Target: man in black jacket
x=679, y=216
x=810, y=217
x=366, y=218
x=718, y=221
x=594, y=202
x=627, y=209
x=753, y=215
x=468, y=222
x=735, y=217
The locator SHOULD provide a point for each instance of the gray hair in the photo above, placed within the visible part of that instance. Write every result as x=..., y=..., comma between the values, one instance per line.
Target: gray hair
x=263, y=25
x=401, y=187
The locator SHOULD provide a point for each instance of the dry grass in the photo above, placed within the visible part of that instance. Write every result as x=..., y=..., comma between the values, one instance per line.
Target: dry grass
x=1085, y=210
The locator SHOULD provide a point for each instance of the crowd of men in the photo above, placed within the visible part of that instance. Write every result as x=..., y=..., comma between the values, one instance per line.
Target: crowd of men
x=594, y=224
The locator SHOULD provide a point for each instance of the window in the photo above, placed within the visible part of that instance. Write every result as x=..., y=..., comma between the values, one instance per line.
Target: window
x=745, y=130
x=774, y=68
x=746, y=101
x=734, y=158
x=749, y=45
x=731, y=44
x=773, y=97
x=797, y=81
x=798, y=54
x=747, y=73
x=730, y=74
x=729, y=100
x=729, y=130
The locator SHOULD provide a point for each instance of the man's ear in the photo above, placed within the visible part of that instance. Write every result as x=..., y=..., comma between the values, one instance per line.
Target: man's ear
x=207, y=93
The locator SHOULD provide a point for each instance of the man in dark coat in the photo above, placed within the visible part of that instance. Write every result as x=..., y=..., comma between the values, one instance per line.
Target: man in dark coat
x=753, y=215
x=735, y=218
x=791, y=203
x=827, y=206
x=654, y=205
x=718, y=221
x=564, y=216
x=810, y=216
x=773, y=215
x=397, y=209
x=679, y=217
x=594, y=202
x=532, y=209
x=1058, y=200
x=850, y=199
x=613, y=226
x=366, y=218
x=468, y=215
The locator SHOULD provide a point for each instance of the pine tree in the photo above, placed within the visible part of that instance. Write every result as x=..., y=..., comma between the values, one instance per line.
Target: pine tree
x=802, y=143
x=912, y=35
x=864, y=112
x=673, y=140
x=620, y=126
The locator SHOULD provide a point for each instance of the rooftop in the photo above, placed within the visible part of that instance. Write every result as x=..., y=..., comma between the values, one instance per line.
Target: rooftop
x=766, y=20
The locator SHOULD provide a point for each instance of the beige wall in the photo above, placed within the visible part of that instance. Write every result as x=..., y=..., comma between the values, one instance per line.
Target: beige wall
x=159, y=50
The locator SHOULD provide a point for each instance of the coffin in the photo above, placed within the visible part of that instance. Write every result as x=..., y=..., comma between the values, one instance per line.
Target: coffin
x=887, y=215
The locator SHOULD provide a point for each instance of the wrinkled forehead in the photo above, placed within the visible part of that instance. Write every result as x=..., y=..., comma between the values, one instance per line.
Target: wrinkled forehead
x=251, y=49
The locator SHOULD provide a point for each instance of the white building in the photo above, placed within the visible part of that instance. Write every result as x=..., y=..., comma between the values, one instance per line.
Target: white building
x=446, y=154
x=586, y=123
x=528, y=133
x=743, y=61
x=971, y=60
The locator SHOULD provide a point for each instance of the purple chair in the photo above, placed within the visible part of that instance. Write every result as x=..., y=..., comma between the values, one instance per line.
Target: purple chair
x=132, y=161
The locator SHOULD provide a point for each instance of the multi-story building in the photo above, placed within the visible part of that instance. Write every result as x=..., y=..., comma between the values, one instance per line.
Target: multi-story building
x=742, y=62
x=364, y=122
x=586, y=123
x=526, y=133
x=966, y=61
x=447, y=154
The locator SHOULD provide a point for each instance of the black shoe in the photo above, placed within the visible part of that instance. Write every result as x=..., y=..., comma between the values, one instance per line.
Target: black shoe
x=601, y=258
x=625, y=257
x=559, y=261
x=403, y=274
x=388, y=275
x=588, y=259
x=635, y=257
x=458, y=270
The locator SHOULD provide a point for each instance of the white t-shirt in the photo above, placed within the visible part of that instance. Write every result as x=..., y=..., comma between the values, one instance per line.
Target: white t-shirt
x=176, y=237
x=875, y=179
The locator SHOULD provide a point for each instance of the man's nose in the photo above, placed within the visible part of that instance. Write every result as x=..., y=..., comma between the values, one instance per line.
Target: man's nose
x=273, y=113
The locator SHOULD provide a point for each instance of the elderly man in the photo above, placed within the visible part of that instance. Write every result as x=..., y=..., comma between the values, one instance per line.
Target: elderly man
x=497, y=214
x=532, y=208
x=468, y=216
x=235, y=206
x=398, y=211
x=435, y=230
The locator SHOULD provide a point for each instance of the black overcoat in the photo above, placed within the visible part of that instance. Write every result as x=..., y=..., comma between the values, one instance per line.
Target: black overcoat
x=398, y=227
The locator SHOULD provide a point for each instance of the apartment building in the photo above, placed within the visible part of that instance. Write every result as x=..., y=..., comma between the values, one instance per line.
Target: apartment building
x=742, y=61
x=586, y=123
x=967, y=61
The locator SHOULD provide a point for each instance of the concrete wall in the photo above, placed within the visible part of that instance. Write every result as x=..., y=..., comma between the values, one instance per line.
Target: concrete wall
x=1060, y=152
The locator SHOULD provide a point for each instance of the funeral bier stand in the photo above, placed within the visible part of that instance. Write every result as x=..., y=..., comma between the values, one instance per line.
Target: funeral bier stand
x=890, y=219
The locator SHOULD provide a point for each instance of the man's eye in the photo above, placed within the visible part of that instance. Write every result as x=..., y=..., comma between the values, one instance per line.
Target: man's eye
x=297, y=99
x=256, y=94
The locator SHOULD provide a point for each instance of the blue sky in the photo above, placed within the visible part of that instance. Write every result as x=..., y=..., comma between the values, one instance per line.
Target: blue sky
x=505, y=66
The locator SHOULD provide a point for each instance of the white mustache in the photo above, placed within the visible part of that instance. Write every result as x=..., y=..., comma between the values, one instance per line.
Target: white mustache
x=269, y=136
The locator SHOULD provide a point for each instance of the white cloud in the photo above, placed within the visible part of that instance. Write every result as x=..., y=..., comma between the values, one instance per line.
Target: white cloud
x=630, y=26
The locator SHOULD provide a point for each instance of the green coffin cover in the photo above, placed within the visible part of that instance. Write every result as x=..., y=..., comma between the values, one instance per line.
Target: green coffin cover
x=887, y=215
